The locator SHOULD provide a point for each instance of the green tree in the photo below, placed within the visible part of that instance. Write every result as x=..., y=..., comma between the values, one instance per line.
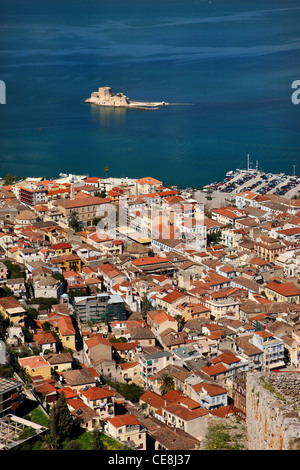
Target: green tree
x=101, y=193
x=27, y=334
x=4, y=324
x=60, y=277
x=6, y=371
x=9, y=179
x=121, y=339
x=14, y=270
x=131, y=392
x=167, y=383
x=46, y=326
x=146, y=304
x=179, y=319
x=97, y=443
x=106, y=169
x=74, y=223
x=73, y=445
x=96, y=221
x=32, y=313
x=76, y=293
x=45, y=303
x=49, y=442
x=61, y=423
x=6, y=292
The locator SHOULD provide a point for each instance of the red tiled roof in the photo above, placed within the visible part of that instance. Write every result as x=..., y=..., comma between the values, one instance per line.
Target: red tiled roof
x=289, y=231
x=185, y=413
x=214, y=369
x=68, y=392
x=153, y=399
x=125, y=346
x=149, y=260
x=45, y=389
x=287, y=289
x=227, y=212
x=96, y=339
x=148, y=180
x=9, y=302
x=162, y=317
x=86, y=201
x=92, y=179
x=226, y=358
x=65, y=326
x=172, y=296
x=33, y=362
x=60, y=246
x=124, y=420
x=96, y=393
x=128, y=365
x=44, y=338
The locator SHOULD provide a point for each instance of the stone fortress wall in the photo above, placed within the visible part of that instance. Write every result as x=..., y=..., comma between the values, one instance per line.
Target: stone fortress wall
x=105, y=97
x=273, y=410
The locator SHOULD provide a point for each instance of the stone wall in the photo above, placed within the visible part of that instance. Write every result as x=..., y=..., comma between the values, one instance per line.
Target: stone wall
x=273, y=411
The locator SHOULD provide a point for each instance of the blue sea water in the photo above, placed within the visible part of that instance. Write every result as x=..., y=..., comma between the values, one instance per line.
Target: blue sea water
x=225, y=65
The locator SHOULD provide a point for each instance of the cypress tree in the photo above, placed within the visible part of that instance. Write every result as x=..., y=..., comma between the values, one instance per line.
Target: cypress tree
x=61, y=422
x=97, y=443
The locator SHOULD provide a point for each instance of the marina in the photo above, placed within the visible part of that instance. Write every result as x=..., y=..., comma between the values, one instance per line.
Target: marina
x=258, y=181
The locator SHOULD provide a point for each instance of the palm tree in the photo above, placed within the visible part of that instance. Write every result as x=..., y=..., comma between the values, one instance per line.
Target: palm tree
x=179, y=319
x=49, y=442
x=167, y=383
x=106, y=169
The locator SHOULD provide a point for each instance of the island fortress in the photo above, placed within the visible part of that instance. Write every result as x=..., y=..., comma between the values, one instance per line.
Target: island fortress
x=105, y=97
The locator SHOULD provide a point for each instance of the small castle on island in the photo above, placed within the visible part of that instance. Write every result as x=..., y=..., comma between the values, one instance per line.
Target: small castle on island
x=105, y=97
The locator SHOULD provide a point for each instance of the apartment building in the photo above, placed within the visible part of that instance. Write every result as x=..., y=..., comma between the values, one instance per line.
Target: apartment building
x=100, y=307
x=31, y=195
x=272, y=347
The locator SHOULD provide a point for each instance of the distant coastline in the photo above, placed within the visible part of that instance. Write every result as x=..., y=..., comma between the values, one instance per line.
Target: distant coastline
x=105, y=97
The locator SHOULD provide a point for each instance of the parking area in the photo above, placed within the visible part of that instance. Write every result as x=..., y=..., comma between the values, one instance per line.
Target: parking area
x=258, y=182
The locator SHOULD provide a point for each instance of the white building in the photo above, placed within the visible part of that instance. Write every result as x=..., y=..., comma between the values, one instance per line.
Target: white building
x=272, y=347
x=150, y=364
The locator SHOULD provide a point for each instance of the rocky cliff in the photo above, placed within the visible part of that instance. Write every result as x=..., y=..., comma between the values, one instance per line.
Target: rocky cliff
x=273, y=418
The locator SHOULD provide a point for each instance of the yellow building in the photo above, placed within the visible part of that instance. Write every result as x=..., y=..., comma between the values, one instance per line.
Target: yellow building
x=129, y=372
x=12, y=310
x=62, y=248
x=66, y=333
x=282, y=292
x=14, y=252
x=72, y=262
x=68, y=262
x=127, y=428
x=35, y=366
